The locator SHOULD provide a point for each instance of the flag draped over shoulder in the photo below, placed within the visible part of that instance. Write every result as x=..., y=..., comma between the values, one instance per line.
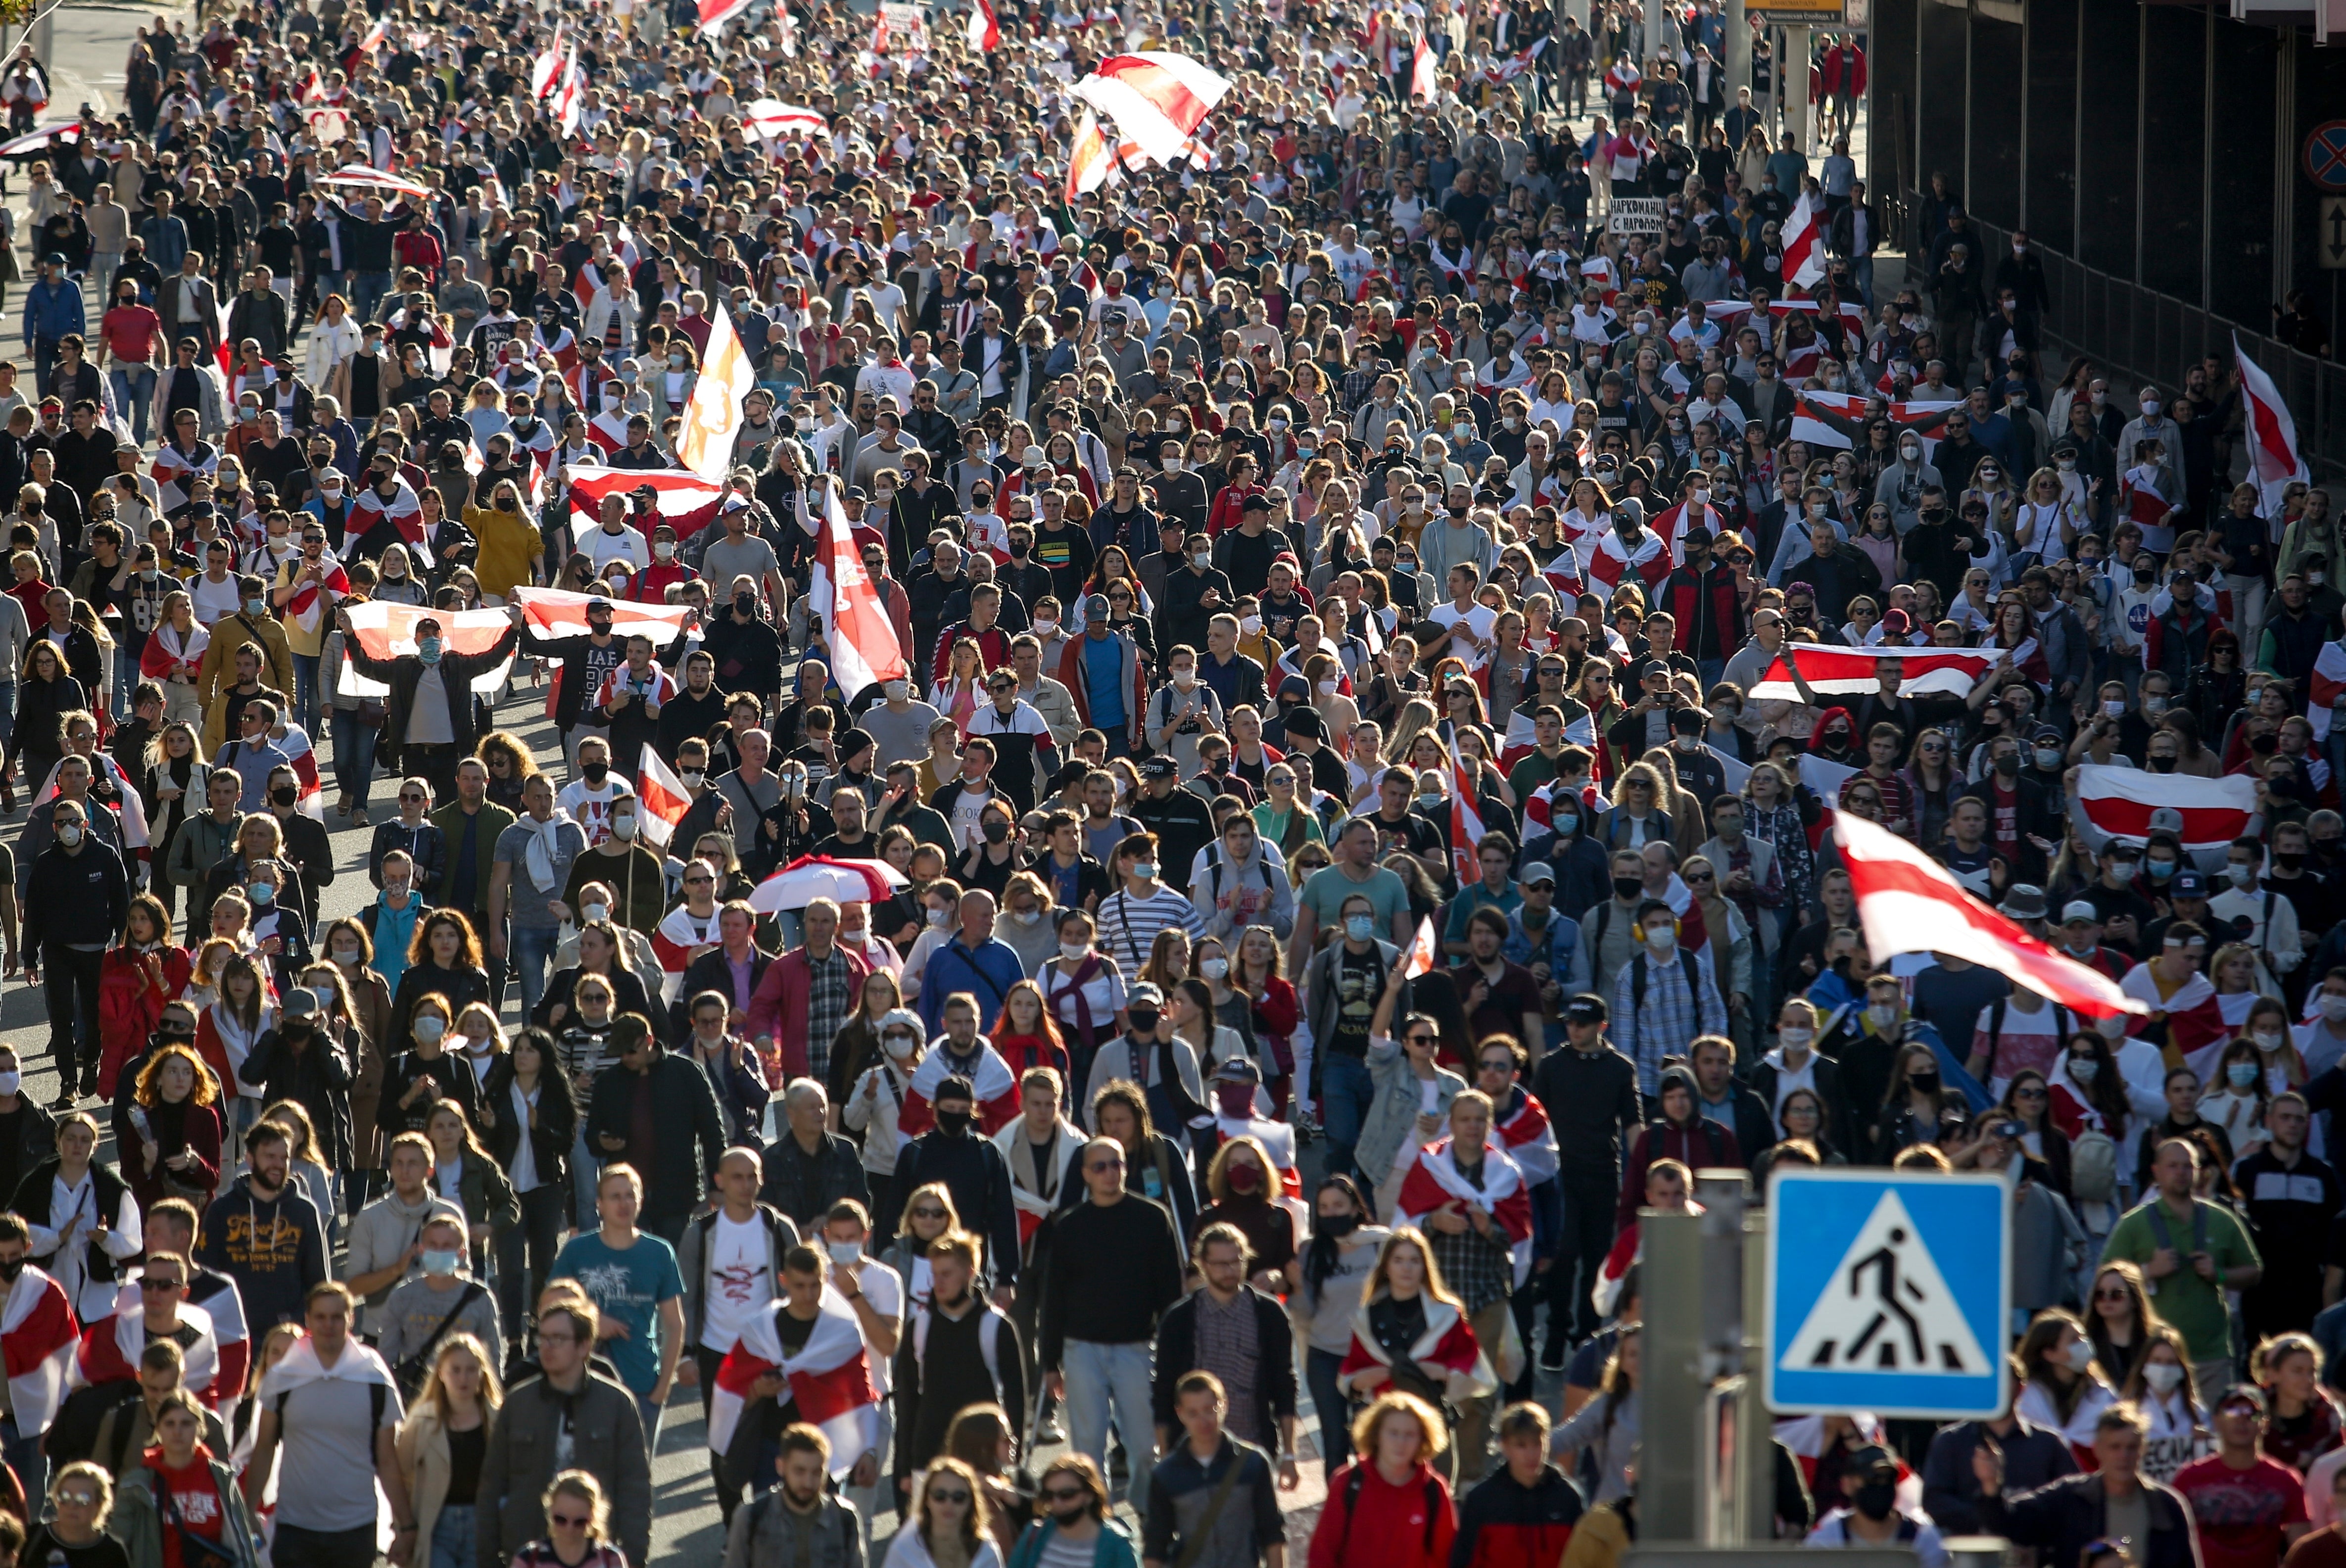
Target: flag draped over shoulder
x=829, y=1382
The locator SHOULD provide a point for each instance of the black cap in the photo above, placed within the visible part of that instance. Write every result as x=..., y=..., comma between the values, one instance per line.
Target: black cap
x=1159, y=768
x=1586, y=1008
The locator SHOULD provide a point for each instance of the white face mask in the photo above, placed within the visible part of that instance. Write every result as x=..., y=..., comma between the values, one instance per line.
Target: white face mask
x=1882, y=1014
x=1214, y=968
x=898, y=1045
x=2084, y=1068
x=1793, y=1039
x=1073, y=951
x=1661, y=938
x=2268, y=1040
x=2079, y=1355
x=846, y=1254
x=2242, y=876
x=2164, y=1376
x=597, y=912
x=1046, y=630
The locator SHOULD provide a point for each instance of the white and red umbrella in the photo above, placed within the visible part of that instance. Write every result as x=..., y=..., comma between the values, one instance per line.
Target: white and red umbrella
x=812, y=877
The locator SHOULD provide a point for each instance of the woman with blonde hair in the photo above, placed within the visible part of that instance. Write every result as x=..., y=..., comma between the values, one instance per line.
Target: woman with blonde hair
x=173, y=657
x=928, y=1214
x=1405, y=1303
x=1416, y=718
x=441, y=1445
x=577, y=1527
x=959, y=695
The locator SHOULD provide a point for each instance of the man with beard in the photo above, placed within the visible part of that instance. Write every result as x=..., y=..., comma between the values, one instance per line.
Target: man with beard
x=792, y=1522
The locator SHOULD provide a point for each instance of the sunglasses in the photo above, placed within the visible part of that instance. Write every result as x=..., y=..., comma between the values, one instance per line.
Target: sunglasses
x=569, y=1520
x=929, y=1213
x=1420, y=1039
x=957, y=1496
x=1062, y=1493
x=1107, y=1163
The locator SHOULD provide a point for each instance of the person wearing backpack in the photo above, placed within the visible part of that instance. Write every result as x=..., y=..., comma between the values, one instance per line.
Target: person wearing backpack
x=2191, y=1252
x=798, y=1524
x=1684, y=1134
x=960, y=1349
x=1664, y=996
x=1212, y=1502
x=1389, y=1508
x=1257, y=1407
x=1243, y=883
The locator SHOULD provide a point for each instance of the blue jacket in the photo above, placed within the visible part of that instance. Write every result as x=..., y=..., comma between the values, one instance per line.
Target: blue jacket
x=51, y=310
x=165, y=240
x=1112, y=1548
x=987, y=971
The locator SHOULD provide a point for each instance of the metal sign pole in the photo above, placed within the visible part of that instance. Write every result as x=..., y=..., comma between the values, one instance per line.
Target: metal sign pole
x=1756, y=1455
x=1673, y=1387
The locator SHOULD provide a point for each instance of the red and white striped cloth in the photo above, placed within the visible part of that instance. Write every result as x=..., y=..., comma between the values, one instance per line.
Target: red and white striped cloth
x=1610, y=562
x=2118, y=803
x=127, y=803
x=1091, y=162
x=2273, y=459
x=305, y=609
x=1425, y=952
x=1852, y=672
x=686, y=501
x=995, y=1083
x=404, y=509
x=1466, y=823
x=983, y=29
x=1433, y=1183
x=1530, y=1140
x=1447, y=1349
x=771, y=119
x=663, y=797
x=378, y=182
x=387, y=631
x=558, y=613
x=1156, y=97
x=2329, y=684
x=110, y=1347
x=1804, y=245
x=37, y=1338
x=173, y=469
x=828, y=1381
x=2195, y=1014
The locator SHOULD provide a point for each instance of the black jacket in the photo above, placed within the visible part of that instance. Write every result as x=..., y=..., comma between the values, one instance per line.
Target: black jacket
x=457, y=673
x=974, y=1171
x=2060, y=1520
x=692, y=1131
x=75, y=898
x=1592, y=1104
x=557, y=1121
x=461, y=986
x=318, y=1079
x=106, y=1190
x=710, y=971
x=804, y=1197
x=453, y=1076
x=628, y=994
x=941, y=1371
x=1274, y=1341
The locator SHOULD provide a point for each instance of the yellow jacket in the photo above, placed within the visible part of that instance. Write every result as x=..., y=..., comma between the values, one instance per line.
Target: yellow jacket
x=218, y=672
x=509, y=546
x=1598, y=1540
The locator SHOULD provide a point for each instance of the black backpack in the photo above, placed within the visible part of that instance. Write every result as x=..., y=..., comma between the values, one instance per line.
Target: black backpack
x=1686, y=963
x=1353, y=1484
x=73, y=1435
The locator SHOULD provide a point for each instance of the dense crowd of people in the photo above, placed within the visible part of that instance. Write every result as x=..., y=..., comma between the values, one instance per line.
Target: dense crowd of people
x=1348, y=808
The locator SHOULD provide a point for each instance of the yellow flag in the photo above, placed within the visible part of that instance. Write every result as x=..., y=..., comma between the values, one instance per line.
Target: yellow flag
x=713, y=414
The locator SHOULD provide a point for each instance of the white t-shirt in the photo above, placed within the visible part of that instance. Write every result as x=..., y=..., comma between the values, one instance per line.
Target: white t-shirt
x=1481, y=619
x=590, y=807
x=740, y=1283
x=967, y=805
x=626, y=545
x=525, y=1162
x=885, y=1289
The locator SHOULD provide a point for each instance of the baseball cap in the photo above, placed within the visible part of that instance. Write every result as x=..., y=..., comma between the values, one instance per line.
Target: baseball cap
x=299, y=1003
x=1585, y=1008
x=2189, y=885
x=1237, y=1070
x=1535, y=873
x=2076, y=910
x=1095, y=606
x=1144, y=991
x=1159, y=768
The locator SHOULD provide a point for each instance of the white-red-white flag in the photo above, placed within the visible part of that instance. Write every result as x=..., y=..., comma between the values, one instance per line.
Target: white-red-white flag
x=1853, y=672
x=2329, y=684
x=1425, y=81
x=2272, y=433
x=857, y=631
x=1156, y=97
x=712, y=15
x=1465, y=823
x=545, y=70
x=828, y=1380
x=2116, y=803
x=1804, y=247
x=570, y=102
x=712, y=416
x=387, y=631
x=1908, y=902
x=37, y=1338
x=665, y=798
x=982, y=30
x=686, y=501
x=771, y=119
x=558, y=613
x=1425, y=952
x=1091, y=160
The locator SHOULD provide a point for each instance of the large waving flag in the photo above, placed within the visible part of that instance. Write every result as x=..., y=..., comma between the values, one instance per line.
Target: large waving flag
x=1908, y=902
x=1155, y=98
x=558, y=613
x=2327, y=686
x=1852, y=672
x=982, y=30
x=1424, y=73
x=374, y=181
x=664, y=797
x=37, y=1337
x=570, y=102
x=2272, y=433
x=686, y=501
x=713, y=414
x=1804, y=247
x=1435, y=1182
x=830, y=1379
x=712, y=15
x=387, y=631
x=857, y=631
x=2117, y=802
x=771, y=119
x=545, y=70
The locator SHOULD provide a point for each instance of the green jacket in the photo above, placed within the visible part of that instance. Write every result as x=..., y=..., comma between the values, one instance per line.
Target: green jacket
x=493, y=820
x=1113, y=1548
x=200, y=844
x=137, y=1522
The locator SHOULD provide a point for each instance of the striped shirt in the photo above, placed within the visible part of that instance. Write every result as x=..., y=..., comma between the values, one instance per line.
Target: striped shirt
x=1128, y=925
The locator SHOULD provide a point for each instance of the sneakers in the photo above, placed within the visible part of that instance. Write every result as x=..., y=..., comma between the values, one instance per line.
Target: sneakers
x=1554, y=1356
x=1050, y=1430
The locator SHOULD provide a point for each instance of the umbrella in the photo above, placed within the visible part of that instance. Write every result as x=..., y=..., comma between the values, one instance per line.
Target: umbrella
x=812, y=877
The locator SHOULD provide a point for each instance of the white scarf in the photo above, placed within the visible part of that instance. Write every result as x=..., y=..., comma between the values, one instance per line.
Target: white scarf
x=539, y=856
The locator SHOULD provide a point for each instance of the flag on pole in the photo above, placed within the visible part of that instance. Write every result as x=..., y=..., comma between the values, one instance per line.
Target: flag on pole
x=984, y=30
x=1090, y=161
x=1908, y=902
x=665, y=798
x=856, y=630
x=570, y=103
x=713, y=414
x=545, y=70
x=1465, y=823
x=712, y=15
x=1424, y=954
x=2272, y=434
x=1424, y=82
x=1804, y=250
x=1156, y=97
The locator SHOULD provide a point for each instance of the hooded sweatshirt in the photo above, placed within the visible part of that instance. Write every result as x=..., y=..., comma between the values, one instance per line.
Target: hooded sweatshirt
x=385, y=1229
x=273, y=1248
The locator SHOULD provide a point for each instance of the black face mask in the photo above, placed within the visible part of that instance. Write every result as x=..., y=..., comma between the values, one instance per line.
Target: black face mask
x=1924, y=1083
x=284, y=795
x=1627, y=888
x=2007, y=765
x=1337, y=1225
x=953, y=1124
x=10, y=1269
x=1875, y=1499
x=996, y=831
x=2289, y=862
x=1018, y=549
x=595, y=772
x=1144, y=1020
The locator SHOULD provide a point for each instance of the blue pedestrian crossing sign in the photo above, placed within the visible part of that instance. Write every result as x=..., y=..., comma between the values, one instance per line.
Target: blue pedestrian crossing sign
x=1888, y=1293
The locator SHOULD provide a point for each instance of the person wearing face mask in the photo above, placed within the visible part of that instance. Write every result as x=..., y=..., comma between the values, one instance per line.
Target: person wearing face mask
x=422, y=1311
x=76, y=899
x=1869, y=1515
x=432, y=723
x=1664, y=995
x=628, y=865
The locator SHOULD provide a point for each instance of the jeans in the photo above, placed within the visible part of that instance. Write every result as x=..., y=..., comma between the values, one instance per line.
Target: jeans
x=26, y=1457
x=45, y=360
x=531, y=948
x=8, y=717
x=1346, y=1094
x=69, y=977
x=451, y=1536
x=1712, y=671
x=294, y=1547
x=367, y=289
x=526, y=1255
x=1096, y=1375
x=305, y=693
x=1319, y=1369
x=134, y=394
x=649, y=1409
x=354, y=743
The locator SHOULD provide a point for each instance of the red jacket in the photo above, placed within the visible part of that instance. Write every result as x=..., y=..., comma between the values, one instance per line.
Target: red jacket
x=1504, y=1524
x=779, y=1007
x=1407, y=1526
x=130, y=1005
x=993, y=648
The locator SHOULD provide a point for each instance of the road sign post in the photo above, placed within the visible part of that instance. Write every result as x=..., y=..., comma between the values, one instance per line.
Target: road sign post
x=1888, y=1293
x=2330, y=234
